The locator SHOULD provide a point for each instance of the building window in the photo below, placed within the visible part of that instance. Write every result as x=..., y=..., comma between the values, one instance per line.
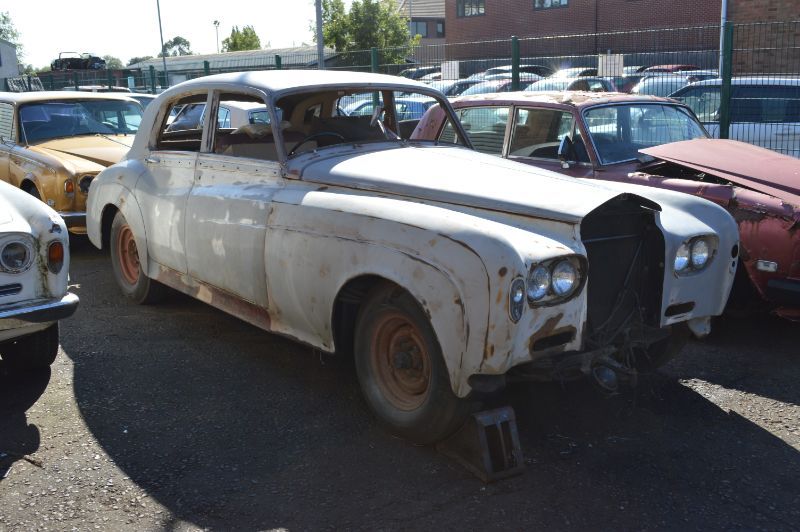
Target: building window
x=418, y=28
x=549, y=4
x=470, y=8
x=440, y=29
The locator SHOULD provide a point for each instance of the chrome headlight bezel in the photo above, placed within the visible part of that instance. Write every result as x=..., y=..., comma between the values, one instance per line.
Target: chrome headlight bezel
x=22, y=240
x=690, y=247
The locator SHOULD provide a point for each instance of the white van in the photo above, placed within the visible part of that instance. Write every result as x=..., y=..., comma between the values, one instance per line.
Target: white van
x=765, y=110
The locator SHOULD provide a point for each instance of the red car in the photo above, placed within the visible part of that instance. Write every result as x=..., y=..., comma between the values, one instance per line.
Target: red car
x=654, y=142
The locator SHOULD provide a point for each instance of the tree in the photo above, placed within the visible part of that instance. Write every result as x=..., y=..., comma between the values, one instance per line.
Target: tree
x=246, y=39
x=176, y=46
x=8, y=32
x=370, y=23
x=134, y=60
x=113, y=63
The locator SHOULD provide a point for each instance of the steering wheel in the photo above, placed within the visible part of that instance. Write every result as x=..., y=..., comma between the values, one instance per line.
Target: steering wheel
x=314, y=136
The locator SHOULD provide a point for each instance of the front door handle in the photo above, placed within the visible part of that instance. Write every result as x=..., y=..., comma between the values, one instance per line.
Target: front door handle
x=152, y=159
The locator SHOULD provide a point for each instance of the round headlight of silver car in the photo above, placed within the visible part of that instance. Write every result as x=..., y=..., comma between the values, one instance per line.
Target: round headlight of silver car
x=700, y=253
x=565, y=278
x=682, y=258
x=538, y=283
x=15, y=257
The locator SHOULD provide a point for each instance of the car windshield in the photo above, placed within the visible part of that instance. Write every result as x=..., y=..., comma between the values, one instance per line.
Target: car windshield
x=50, y=120
x=618, y=132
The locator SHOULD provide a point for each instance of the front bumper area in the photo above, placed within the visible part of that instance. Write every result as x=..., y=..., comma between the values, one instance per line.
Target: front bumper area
x=22, y=315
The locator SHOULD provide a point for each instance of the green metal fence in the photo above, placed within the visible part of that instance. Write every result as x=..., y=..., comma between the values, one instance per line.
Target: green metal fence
x=749, y=91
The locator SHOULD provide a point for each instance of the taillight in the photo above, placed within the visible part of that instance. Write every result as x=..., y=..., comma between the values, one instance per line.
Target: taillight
x=55, y=256
x=69, y=186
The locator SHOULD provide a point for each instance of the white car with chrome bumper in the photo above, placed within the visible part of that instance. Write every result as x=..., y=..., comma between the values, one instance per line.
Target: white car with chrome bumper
x=34, y=266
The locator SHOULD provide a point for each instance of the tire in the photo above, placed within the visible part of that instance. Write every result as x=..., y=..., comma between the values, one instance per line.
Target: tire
x=128, y=272
x=401, y=369
x=32, y=352
x=664, y=350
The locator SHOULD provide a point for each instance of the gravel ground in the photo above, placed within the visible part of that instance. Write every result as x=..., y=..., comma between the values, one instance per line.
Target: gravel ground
x=180, y=417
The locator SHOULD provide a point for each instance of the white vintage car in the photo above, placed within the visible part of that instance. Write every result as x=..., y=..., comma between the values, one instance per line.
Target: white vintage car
x=34, y=265
x=443, y=270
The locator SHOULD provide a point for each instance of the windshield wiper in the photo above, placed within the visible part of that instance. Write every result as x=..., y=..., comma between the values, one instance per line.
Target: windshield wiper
x=110, y=138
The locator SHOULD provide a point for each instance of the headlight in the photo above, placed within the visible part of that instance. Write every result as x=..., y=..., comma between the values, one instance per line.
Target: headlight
x=565, y=278
x=16, y=257
x=700, y=253
x=682, y=258
x=695, y=254
x=516, y=299
x=538, y=282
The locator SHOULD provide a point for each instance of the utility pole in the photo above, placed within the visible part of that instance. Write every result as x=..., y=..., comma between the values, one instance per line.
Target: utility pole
x=216, y=28
x=163, y=52
x=723, y=19
x=320, y=43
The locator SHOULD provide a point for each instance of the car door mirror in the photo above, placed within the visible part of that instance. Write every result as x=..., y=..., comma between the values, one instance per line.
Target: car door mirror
x=566, y=152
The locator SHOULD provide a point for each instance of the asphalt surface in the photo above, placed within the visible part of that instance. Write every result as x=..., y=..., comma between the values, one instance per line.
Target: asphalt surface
x=180, y=417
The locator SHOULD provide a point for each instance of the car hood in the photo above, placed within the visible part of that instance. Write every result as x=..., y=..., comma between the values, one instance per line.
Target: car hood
x=5, y=211
x=740, y=163
x=457, y=176
x=101, y=150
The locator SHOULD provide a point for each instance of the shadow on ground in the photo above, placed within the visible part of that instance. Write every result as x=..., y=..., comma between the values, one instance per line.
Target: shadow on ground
x=230, y=427
x=19, y=391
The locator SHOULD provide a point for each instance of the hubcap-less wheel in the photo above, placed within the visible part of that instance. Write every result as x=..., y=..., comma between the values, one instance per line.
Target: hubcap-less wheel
x=401, y=362
x=128, y=255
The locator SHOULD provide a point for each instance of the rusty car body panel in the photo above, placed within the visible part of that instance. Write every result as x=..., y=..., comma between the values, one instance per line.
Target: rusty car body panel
x=57, y=170
x=282, y=242
x=760, y=188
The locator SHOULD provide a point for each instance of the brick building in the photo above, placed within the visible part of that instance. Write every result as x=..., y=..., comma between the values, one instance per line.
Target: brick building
x=427, y=19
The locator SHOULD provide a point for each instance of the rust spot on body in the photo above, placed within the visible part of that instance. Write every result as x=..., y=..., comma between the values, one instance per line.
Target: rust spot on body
x=503, y=271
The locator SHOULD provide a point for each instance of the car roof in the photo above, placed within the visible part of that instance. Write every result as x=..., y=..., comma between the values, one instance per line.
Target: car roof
x=577, y=99
x=752, y=80
x=45, y=96
x=277, y=81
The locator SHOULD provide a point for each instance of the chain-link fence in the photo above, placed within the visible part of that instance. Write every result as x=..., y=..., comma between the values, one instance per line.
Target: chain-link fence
x=749, y=90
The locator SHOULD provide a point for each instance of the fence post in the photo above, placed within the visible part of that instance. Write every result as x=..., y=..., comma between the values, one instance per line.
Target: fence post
x=514, y=63
x=51, y=82
x=376, y=100
x=727, y=73
x=111, y=80
x=75, y=80
x=206, y=68
x=153, y=79
x=278, y=62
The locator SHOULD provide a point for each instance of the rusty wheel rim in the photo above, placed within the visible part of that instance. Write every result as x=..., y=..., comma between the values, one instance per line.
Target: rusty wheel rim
x=401, y=362
x=128, y=255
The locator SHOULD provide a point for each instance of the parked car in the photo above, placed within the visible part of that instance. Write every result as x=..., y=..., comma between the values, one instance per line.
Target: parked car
x=660, y=84
x=572, y=84
x=670, y=68
x=574, y=72
x=34, y=265
x=418, y=72
x=499, y=85
x=655, y=142
x=764, y=110
x=428, y=262
x=452, y=88
x=52, y=144
x=143, y=99
x=494, y=72
x=76, y=61
x=406, y=107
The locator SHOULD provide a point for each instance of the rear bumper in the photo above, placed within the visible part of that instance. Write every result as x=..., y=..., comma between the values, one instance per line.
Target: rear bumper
x=784, y=291
x=22, y=315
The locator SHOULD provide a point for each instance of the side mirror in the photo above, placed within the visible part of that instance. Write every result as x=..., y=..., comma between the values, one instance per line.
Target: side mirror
x=566, y=152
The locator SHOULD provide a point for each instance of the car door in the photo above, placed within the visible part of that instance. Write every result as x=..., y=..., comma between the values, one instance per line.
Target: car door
x=767, y=116
x=536, y=134
x=235, y=179
x=163, y=189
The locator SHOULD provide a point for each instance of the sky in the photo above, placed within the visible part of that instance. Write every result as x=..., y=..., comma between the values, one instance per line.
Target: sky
x=126, y=29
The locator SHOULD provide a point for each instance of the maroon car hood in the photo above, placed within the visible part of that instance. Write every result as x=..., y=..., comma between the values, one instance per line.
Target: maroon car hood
x=744, y=164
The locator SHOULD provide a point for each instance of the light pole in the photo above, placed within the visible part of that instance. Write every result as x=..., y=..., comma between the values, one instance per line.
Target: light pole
x=320, y=43
x=163, y=52
x=216, y=28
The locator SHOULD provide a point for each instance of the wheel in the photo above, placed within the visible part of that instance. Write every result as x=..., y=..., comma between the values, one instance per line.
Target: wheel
x=128, y=271
x=314, y=136
x=401, y=369
x=35, y=351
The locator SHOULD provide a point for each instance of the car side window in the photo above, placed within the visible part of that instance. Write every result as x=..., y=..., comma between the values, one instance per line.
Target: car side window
x=704, y=101
x=6, y=121
x=183, y=125
x=237, y=135
x=485, y=126
x=774, y=104
x=538, y=132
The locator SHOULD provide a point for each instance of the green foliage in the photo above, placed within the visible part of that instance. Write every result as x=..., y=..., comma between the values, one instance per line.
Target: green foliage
x=246, y=39
x=176, y=46
x=370, y=23
x=113, y=63
x=8, y=32
x=134, y=60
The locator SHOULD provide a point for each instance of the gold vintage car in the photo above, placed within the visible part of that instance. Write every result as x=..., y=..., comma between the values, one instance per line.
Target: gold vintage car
x=52, y=144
